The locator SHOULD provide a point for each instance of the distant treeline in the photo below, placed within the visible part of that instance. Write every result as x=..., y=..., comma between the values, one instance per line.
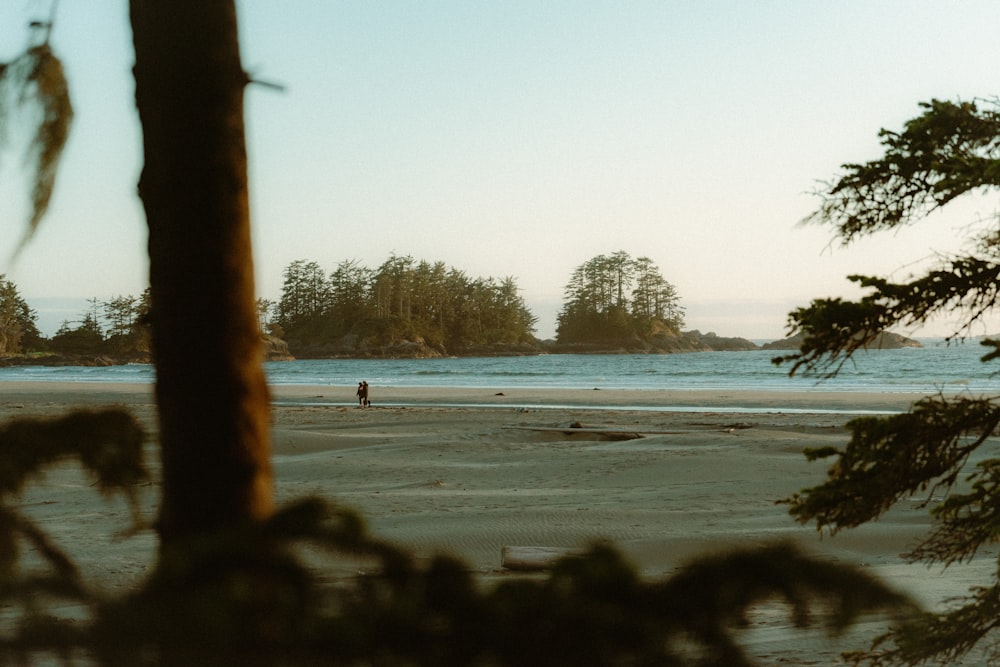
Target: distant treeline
x=610, y=300
x=404, y=307
x=116, y=327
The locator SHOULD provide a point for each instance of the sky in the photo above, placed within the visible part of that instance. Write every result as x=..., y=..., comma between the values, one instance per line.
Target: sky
x=522, y=138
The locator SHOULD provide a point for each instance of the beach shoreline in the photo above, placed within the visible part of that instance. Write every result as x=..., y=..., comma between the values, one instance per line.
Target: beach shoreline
x=664, y=475
x=803, y=400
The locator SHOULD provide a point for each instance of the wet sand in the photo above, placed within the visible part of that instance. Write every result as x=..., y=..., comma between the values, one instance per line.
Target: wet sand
x=664, y=475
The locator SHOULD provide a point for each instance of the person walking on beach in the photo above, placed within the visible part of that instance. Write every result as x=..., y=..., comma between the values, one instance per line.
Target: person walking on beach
x=362, y=394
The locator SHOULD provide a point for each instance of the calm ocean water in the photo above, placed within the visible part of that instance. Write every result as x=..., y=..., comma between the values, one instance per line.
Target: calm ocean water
x=934, y=367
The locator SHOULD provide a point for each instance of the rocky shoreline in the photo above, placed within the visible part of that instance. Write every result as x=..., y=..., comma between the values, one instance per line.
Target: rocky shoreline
x=278, y=350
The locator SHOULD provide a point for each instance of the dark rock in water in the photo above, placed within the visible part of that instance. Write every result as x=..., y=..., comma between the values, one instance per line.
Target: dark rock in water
x=72, y=360
x=666, y=341
x=884, y=341
x=719, y=343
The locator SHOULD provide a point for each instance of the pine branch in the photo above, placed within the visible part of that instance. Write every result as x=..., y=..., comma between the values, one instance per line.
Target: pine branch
x=893, y=457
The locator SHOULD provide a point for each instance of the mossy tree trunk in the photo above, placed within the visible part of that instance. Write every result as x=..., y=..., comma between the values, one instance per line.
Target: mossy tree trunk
x=210, y=387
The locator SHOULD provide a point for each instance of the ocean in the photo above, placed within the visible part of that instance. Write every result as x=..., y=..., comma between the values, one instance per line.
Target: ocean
x=935, y=367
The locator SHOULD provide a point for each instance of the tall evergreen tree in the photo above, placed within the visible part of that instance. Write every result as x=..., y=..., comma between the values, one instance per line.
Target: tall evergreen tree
x=350, y=289
x=18, y=329
x=305, y=296
x=120, y=314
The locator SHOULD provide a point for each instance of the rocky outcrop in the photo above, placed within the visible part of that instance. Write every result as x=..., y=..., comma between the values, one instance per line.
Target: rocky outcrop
x=663, y=342
x=718, y=343
x=45, y=359
x=884, y=341
x=354, y=347
x=276, y=349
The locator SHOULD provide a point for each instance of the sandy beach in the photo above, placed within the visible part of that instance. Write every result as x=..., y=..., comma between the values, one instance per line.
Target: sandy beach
x=665, y=475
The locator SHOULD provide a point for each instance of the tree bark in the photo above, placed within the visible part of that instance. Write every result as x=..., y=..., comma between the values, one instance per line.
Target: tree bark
x=210, y=386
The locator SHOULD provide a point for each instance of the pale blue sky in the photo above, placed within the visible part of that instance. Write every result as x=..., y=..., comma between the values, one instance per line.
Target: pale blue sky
x=524, y=138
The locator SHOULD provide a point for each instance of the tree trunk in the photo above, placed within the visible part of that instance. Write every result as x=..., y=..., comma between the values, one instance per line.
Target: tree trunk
x=210, y=387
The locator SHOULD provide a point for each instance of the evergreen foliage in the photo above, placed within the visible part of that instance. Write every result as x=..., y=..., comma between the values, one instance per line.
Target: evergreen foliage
x=18, y=331
x=117, y=327
x=84, y=339
x=614, y=298
x=401, y=300
x=950, y=149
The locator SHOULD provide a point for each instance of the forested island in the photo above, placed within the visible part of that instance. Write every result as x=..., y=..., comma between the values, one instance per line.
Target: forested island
x=409, y=308
x=403, y=308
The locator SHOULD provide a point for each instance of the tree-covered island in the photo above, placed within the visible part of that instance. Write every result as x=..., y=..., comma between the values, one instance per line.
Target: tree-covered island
x=407, y=308
x=404, y=308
